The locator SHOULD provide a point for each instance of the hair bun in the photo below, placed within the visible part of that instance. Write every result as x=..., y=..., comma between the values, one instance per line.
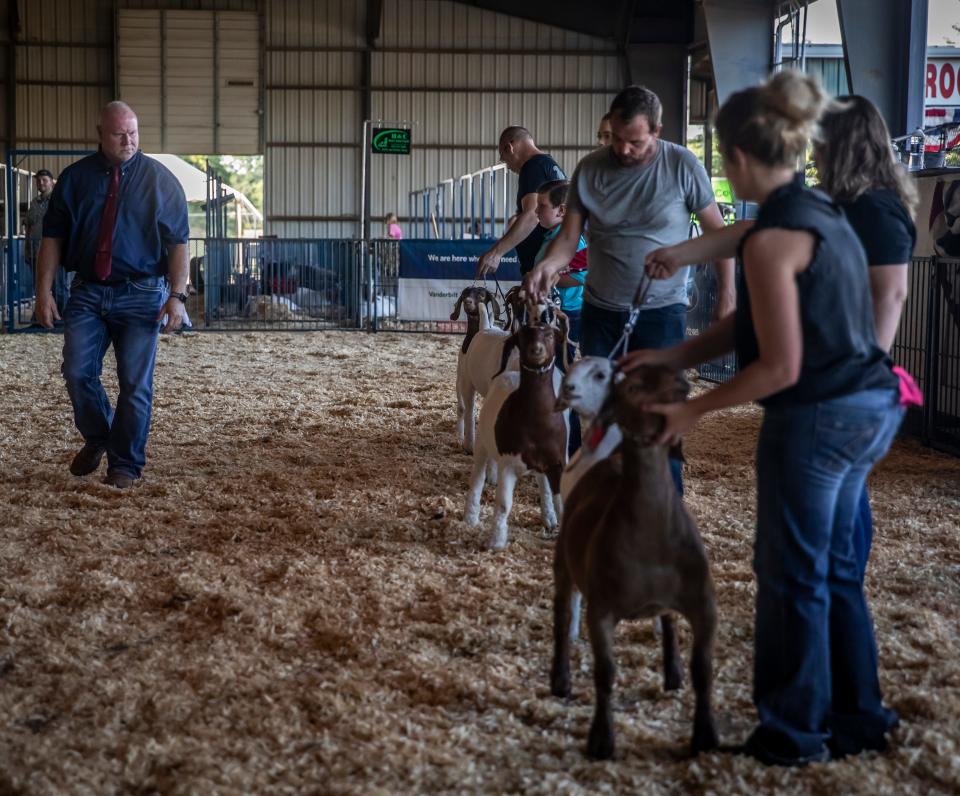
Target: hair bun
x=796, y=97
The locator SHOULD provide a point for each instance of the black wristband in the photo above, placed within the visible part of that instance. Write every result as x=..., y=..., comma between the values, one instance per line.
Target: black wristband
x=181, y=296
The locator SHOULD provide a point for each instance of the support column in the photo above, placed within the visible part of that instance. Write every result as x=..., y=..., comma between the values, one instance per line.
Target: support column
x=740, y=37
x=662, y=68
x=885, y=53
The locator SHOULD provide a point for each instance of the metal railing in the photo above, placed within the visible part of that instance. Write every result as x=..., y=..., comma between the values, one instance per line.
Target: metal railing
x=268, y=283
x=703, y=305
x=928, y=346
x=475, y=205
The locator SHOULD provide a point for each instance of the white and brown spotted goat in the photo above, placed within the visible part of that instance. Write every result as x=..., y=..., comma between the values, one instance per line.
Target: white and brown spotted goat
x=481, y=309
x=629, y=545
x=521, y=429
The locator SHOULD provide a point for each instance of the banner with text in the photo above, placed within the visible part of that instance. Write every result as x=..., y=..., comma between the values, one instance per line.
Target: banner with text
x=433, y=273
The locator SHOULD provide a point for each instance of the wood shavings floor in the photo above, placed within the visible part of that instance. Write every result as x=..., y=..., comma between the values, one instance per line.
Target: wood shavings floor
x=289, y=601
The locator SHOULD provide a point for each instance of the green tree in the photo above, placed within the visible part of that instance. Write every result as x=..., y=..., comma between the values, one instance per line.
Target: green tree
x=243, y=173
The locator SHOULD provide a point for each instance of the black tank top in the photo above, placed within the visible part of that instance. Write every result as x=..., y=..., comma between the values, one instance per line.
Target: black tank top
x=840, y=351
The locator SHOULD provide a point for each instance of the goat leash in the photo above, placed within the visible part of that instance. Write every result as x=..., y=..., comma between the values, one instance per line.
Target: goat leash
x=642, y=289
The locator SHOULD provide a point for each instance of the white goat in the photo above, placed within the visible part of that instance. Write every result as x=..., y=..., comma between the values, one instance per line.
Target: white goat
x=585, y=389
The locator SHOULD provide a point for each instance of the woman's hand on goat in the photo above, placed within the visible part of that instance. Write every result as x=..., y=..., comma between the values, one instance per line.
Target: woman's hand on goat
x=679, y=418
x=663, y=263
x=646, y=356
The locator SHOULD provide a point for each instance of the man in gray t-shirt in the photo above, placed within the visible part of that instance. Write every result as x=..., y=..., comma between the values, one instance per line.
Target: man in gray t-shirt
x=638, y=195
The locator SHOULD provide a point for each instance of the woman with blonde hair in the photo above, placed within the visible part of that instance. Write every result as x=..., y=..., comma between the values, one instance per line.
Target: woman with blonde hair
x=857, y=169
x=804, y=333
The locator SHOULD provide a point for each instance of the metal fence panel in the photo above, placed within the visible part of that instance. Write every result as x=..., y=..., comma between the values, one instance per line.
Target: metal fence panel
x=382, y=282
x=703, y=305
x=281, y=284
x=943, y=389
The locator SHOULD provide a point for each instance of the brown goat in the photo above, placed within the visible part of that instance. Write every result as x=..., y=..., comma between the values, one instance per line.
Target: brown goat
x=520, y=429
x=629, y=545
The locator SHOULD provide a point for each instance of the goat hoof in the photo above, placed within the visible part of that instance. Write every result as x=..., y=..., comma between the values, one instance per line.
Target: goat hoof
x=560, y=685
x=672, y=680
x=600, y=742
x=472, y=520
x=704, y=739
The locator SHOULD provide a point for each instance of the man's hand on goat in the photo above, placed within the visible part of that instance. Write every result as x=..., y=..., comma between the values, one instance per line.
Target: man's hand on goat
x=679, y=419
x=488, y=263
x=537, y=284
x=645, y=356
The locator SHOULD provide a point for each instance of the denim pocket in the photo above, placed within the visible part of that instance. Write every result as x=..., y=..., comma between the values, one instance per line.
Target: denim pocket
x=844, y=436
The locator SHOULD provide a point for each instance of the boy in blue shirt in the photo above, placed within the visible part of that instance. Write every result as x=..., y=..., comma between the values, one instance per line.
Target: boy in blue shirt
x=551, y=205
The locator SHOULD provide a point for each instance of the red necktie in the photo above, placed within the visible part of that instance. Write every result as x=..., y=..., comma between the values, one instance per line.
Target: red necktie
x=104, y=259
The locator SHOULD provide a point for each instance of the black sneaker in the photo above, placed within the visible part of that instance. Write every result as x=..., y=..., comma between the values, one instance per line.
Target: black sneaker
x=87, y=459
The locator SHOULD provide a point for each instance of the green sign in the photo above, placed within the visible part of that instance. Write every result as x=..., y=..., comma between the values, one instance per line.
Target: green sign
x=390, y=141
x=722, y=191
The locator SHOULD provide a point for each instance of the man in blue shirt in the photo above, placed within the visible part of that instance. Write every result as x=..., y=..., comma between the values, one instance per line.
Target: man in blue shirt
x=534, y=167
x=119, y=220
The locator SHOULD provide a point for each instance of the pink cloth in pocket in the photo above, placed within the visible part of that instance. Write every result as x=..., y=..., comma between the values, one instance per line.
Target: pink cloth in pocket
x=910, y=394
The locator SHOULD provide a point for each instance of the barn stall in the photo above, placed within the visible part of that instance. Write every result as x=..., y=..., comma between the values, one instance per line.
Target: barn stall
x=290, y=602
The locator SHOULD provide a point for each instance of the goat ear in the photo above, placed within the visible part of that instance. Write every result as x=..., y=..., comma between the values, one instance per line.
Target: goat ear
x=492, y=300
x=456, y=308
x=508, y=345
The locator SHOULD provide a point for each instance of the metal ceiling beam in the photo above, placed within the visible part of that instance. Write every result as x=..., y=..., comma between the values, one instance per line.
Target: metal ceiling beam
x=652, y=21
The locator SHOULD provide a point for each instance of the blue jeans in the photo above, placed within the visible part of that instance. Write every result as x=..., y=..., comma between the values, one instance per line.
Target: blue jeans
x=863, y=532
x=662, y=327
x=815, y=661
x=125, y=315
x=573, y=316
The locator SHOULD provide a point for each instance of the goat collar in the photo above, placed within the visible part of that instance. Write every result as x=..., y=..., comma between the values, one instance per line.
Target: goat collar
x=643, y=440
x=544, y=369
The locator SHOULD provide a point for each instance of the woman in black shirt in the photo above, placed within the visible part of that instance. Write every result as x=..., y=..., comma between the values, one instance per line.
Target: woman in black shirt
x=857, y=169
x=804, y=334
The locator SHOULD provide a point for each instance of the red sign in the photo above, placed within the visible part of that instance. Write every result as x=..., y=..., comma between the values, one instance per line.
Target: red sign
x=943, y=77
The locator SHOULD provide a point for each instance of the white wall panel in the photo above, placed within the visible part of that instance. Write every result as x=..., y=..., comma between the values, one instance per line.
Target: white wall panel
x=238, y=73
x=305, y=42
x=491, y=70
x=315, y=23
x=311, y=182
x=194, y=78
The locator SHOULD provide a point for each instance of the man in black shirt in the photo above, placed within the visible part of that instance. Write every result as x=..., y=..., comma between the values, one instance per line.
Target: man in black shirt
x=518, y=150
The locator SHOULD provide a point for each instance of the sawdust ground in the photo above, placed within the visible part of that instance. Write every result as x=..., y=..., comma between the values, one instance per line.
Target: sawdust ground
x=289, y=602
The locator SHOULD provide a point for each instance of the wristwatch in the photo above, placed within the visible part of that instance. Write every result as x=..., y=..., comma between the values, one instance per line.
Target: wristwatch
x=181, y=296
